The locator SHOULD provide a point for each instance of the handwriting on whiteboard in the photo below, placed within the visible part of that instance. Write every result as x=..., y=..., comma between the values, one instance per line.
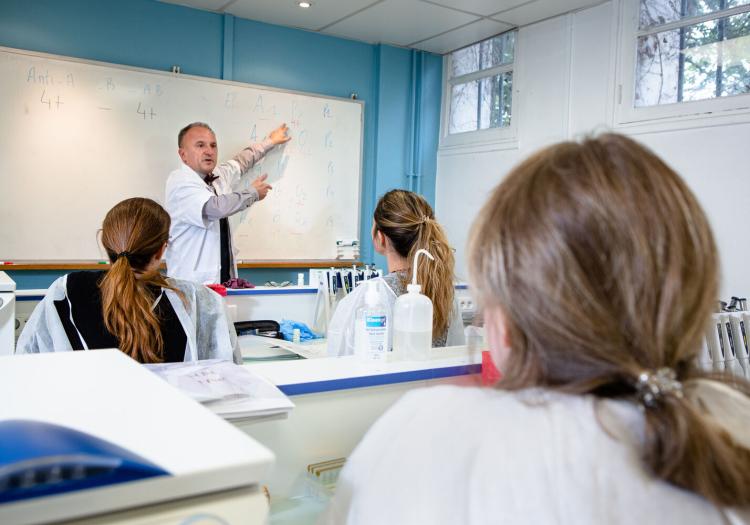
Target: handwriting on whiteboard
x=129, y=120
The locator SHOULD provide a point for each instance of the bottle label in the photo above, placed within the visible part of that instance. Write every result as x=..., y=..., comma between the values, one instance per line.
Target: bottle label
x=375, y=321
x=377, y=335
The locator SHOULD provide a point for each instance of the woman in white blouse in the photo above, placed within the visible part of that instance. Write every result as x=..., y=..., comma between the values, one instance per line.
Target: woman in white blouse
x=598, y=273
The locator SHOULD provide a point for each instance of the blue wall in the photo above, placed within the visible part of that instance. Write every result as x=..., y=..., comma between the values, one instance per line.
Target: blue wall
x=401, y=88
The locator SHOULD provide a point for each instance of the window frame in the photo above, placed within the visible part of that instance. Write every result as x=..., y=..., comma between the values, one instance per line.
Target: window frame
x=505, y=134
x=626, y=113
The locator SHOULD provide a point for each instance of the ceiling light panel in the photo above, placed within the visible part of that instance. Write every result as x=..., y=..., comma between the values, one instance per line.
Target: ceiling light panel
x=399, y=22
x=480, y=7
x=540, y=10
x=463, y=36
x=207, y=5
x=288, y=12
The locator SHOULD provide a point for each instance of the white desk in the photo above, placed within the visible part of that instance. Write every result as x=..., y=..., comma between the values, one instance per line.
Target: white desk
x=337, y=400
x=266, y=302
x=209, y=467
x=298, y=303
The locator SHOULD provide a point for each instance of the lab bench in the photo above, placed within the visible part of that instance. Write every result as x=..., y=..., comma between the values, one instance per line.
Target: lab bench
x=337, y=400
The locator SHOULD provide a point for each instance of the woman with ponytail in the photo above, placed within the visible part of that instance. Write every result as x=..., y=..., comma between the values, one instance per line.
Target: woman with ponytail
x=597, y=273
x=131, y=306
x=404, y=223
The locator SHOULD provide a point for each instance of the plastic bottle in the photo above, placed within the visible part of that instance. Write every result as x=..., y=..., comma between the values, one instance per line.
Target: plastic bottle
x=412, y=315
x=372, y=327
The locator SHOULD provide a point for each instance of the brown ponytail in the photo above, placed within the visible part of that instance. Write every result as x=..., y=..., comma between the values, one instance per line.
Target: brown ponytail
x=132, y=233
x=408, y=221
x=685, y=448
x=604, y=266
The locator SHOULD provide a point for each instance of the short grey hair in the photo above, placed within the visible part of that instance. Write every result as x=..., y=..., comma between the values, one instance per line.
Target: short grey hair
x=190, y=126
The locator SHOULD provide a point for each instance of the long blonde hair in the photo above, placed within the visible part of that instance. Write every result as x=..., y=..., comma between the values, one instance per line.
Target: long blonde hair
x=604, y=266
x=408, y=221
x=132, y=233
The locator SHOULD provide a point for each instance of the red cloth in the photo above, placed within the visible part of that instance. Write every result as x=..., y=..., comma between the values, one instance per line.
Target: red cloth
x=219, y=289
x=490, y=373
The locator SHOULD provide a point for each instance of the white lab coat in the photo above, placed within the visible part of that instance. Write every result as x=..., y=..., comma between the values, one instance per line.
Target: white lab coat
x=193, y=252
x=209, y=333
x=341, y=328
x=448, y=455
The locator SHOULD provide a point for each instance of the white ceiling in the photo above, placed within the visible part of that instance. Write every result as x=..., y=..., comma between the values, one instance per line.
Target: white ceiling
x=439, y=26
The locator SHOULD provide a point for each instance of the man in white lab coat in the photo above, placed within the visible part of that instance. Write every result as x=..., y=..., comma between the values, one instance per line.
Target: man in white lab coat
x=201, y=195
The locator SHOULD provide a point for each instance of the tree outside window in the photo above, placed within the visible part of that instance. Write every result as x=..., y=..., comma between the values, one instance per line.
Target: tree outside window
x=690, y=50
x=480, y=85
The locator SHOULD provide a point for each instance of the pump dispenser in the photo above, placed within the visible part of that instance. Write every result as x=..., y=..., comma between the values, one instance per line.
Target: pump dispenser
x=412, y=320
x=372, y=327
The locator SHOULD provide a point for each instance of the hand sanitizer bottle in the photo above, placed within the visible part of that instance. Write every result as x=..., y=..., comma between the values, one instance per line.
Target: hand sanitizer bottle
x=412, y=314
x=372, y=330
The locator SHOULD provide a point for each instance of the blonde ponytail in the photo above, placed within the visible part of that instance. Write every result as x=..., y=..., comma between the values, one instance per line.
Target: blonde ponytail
x=435, y=277
x=408, y=221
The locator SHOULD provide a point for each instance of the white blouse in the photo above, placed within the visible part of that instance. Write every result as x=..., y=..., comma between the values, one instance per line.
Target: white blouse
x=458, y=455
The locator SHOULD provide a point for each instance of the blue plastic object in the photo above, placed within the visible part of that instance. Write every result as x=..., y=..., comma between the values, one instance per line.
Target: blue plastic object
x=41, y=459
x=305, y=334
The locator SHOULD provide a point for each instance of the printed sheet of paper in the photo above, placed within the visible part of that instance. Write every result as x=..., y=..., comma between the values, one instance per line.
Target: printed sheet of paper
x=230, y=390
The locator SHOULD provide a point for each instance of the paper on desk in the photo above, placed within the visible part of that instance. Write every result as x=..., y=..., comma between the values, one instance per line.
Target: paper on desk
x=312, y=349
x=253, y=346
x=229, y=390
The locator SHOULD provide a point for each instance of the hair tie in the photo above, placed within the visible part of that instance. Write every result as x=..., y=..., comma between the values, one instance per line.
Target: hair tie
x=652, y=386
x=123, y=254
x=425, y=219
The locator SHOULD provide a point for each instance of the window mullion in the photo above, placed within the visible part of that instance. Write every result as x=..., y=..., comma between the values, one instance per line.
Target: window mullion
x=681, y=64
x=677, y=24
x=720, y=51
x=481, y=74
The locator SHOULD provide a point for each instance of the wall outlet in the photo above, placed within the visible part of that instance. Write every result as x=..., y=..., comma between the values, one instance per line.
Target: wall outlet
x=466, y=305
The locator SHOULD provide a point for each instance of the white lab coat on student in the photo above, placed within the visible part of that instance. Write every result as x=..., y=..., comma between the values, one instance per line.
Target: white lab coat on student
x=209, y=333
x=341, y=328
x=476, y=456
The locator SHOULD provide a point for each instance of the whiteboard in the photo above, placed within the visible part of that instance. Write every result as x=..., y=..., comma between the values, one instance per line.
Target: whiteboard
x=80, y=136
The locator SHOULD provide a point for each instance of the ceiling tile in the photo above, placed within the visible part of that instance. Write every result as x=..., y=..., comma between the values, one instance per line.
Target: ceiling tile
x=479, y=7
x=399, y=22
x=208, y=5
x=540, y=9
x=462, y=37
x=288, y=13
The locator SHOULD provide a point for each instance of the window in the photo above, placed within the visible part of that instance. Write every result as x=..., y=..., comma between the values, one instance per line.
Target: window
x=479, y=88
x=685, y=51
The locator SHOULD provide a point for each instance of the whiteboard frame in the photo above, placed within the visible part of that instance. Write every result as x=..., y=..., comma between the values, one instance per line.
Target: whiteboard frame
x=169, y=74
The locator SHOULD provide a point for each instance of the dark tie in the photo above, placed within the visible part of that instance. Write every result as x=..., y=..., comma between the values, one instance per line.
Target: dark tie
x=224, y=237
